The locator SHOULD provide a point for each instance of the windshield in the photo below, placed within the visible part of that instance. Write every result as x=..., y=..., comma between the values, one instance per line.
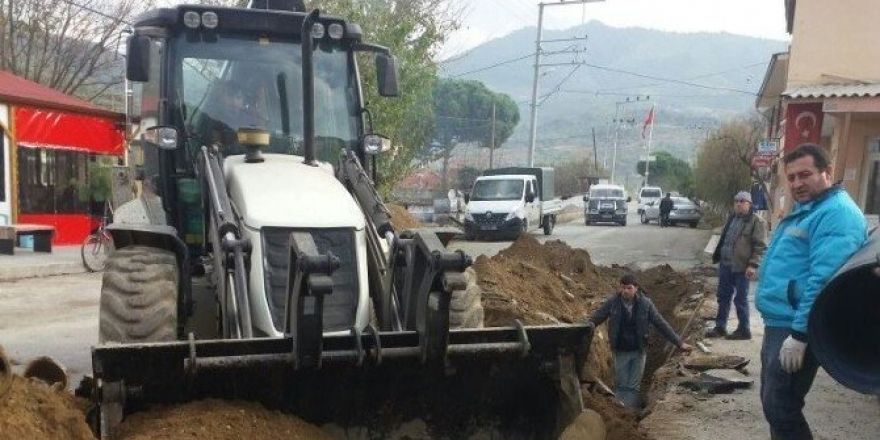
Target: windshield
x=651, y=193
x=606, y=193
x=248, y=81
x=500, y=189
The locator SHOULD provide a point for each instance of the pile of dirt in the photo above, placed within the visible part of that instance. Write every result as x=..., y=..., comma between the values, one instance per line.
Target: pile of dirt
x=217, y=420
x=401, y=219
x=31, y=409
x=552, y=283
x=620, y=423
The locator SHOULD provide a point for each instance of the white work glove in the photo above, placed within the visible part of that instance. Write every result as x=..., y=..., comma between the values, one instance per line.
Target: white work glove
x=791, y=355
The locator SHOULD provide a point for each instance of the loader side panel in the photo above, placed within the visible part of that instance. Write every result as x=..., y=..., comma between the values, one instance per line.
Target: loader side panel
x=340, y=308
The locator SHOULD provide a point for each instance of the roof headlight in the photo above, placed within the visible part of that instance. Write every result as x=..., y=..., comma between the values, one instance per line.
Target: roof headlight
x=317, y=31
x=336, y=31
x=191, y=19
x=210, y=20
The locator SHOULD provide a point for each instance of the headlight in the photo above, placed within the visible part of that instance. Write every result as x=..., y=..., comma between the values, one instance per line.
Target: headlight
x=594, y=211
x=191, y=19
x=317, y=31
x=468, y=216
x=210, y=20
x=336, y=31
x=510, y=216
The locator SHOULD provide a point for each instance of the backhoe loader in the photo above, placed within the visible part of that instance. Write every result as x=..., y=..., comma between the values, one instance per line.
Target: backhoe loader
x=258, y=261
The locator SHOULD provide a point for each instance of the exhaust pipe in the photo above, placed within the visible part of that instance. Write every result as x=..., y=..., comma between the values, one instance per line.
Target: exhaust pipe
x=844, y=330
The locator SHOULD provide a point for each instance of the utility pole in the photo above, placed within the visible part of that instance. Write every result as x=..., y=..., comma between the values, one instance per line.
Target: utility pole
x=492, y=140
x=533, y=128
x=617, y=118
x=595, y=152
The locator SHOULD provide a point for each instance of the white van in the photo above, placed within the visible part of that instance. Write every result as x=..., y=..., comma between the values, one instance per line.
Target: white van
x=647, y=195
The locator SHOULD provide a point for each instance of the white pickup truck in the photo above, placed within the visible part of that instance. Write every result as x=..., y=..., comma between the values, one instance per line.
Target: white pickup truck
x=509, y=201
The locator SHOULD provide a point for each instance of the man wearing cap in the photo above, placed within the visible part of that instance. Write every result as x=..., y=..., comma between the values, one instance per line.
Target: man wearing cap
x=739, y=253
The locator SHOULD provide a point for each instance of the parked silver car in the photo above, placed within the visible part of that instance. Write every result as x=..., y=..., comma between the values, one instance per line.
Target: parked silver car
x=683, y=211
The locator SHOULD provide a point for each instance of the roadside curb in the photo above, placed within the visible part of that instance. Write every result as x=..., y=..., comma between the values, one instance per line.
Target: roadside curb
x=43, y=270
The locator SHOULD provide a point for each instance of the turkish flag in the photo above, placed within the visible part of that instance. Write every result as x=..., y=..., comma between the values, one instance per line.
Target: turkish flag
x=649, y=120
x=803, y=124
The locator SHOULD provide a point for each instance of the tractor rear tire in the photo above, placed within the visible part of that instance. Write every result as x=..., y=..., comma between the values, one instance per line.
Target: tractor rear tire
x=466, y=307
x=139, y=296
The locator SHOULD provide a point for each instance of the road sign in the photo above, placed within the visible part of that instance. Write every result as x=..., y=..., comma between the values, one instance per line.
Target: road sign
x=648, y=158
x=761, y=161
x=768, y=147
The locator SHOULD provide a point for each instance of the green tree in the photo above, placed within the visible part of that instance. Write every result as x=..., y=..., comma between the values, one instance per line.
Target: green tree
x=463, y=114
x=413, y=30
x=723, y=161
x=669, y=172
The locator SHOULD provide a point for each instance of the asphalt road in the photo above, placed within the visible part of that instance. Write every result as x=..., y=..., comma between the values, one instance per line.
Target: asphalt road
x=635, y=244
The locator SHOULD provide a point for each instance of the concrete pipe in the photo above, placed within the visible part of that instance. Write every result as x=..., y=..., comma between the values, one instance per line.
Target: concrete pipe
x=844, y=329
x=47, y=370
x=5, y=373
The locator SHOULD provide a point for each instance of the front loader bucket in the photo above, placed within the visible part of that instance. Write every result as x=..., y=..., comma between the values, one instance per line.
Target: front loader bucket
x=502, y=383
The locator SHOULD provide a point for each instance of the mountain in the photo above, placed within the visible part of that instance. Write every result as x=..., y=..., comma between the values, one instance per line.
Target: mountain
x=730, y=69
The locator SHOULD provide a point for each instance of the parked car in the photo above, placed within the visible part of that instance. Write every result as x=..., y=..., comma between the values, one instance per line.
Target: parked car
x=605, y=204
x=683, y=211
x=647, y=195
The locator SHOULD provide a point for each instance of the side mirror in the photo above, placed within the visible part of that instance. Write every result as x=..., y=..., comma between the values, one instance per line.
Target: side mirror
x=467, y=197
x=629, y=199
x=162, y=137
x=586, y=199
x=137, y=62
x=530, y=197
x=386, y=72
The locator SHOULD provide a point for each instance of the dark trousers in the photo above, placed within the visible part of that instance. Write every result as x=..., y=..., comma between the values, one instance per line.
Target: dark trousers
x=664, y=219
x=732, y=285
x=782, y=394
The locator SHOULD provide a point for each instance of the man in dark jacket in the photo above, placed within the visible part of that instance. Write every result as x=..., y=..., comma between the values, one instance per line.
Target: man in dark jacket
x=739, y=253
x=665, y=208
x=629, y=312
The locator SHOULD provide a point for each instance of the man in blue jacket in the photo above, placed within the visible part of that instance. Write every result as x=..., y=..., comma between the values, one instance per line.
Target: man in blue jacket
x=824, y=229
x=629, y=313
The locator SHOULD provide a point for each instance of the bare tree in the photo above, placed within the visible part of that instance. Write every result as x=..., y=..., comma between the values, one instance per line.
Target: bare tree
x=72, y=46
x=724, y=161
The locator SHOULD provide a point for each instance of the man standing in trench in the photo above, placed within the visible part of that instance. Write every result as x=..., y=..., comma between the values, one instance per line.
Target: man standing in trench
x=739, y=253
x=824, y=229
x=629, y=312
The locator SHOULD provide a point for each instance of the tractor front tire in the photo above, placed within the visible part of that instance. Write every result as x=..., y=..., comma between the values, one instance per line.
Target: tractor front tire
x=466, y=306
x=139, y=296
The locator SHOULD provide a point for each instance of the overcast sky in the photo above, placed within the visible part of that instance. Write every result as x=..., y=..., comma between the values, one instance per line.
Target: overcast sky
x=483, y=20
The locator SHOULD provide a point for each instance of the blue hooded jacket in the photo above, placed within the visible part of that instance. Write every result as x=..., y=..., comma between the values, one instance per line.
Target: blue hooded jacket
x=809, y=246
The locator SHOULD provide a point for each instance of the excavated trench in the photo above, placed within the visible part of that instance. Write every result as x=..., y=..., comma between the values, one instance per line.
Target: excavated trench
x=553, y=283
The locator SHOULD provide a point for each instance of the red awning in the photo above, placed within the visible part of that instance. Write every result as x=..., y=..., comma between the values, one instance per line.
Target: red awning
x=43, y=128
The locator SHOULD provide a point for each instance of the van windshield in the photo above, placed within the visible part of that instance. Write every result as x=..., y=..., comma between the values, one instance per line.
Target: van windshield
x=606, y=193
x=497, y=189
x=650, y=193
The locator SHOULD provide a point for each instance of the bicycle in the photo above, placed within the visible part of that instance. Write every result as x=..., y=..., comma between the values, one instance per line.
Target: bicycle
x=99, y=244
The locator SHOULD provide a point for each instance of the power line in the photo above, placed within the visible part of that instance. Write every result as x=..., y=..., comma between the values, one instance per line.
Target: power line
x=492, y=66
x=559, y=85
x=670, y=80
x=707, y=75
x=95, y=11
